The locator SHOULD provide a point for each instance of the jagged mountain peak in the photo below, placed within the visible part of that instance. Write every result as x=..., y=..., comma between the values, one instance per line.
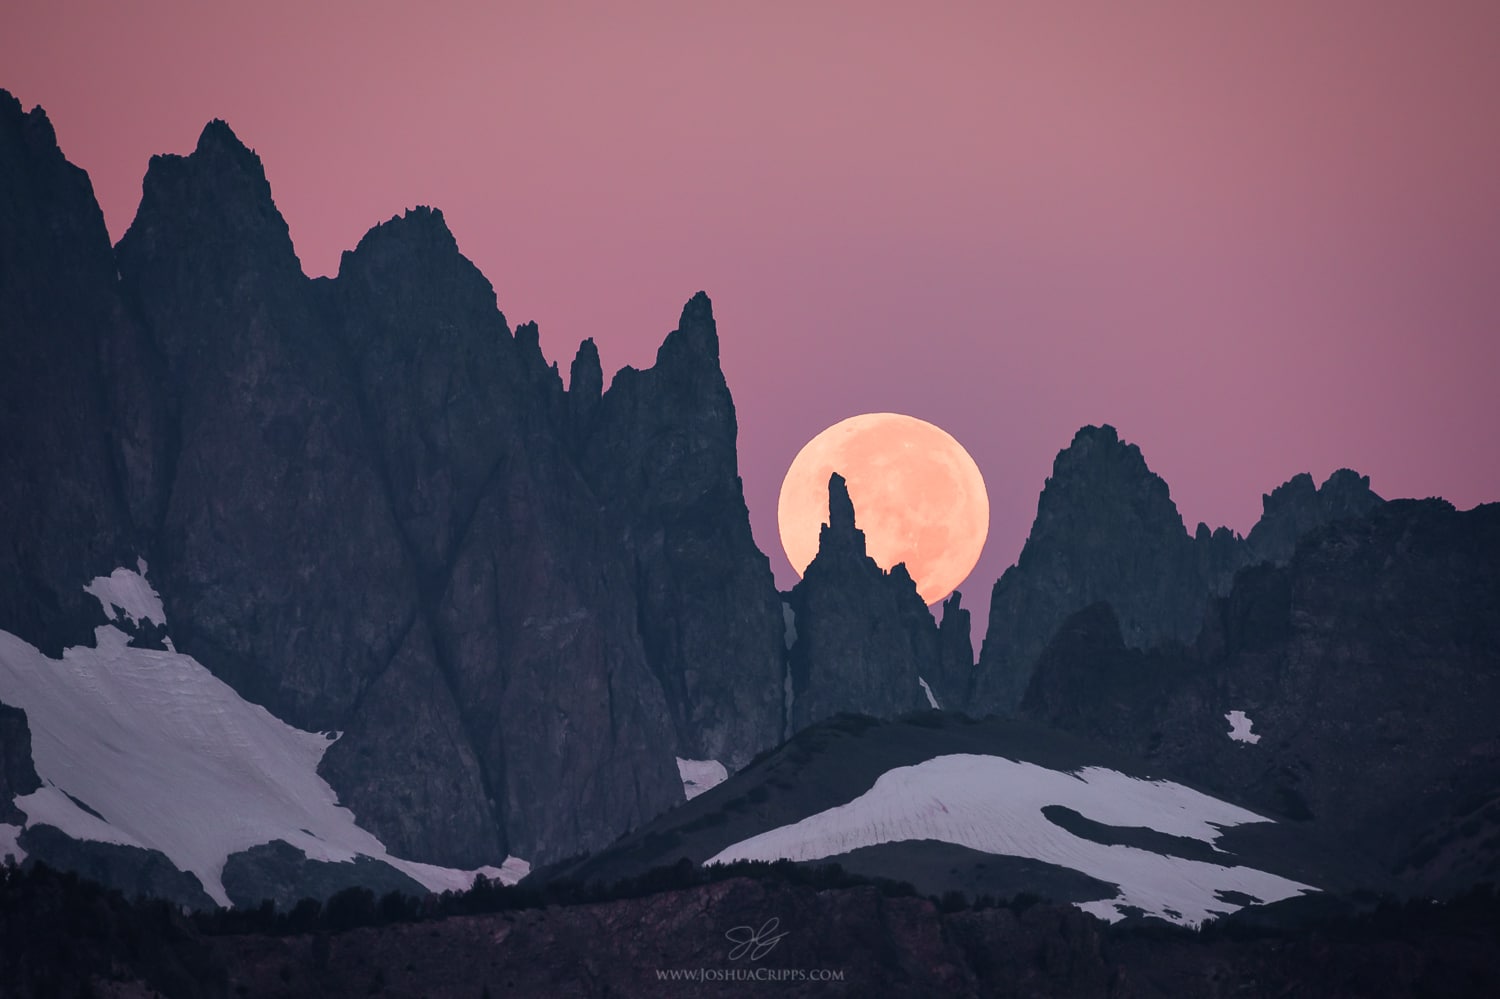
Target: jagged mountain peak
x=412, y=260
x=585, y=389
x=586, y=376
x=220, y=150
x=1103, y=433
x=1296, y=506
x=216, y=200
x=422, y=226
x=1098, y=460
x=696, y=338
x=217, y=136
x=1342, y=487
x=1287, y=493
x=34, y=126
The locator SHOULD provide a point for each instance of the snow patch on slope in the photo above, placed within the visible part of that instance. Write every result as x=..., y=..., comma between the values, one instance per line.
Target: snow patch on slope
x=1239, y=728
x=130, y=592
x=928, y=691
x=174, y=760
x=700, y=775
x=994, y=805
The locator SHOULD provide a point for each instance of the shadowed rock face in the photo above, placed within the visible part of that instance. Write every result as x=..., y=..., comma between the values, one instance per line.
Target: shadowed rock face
x=1368, y=668
x=77, y=458
x=276, y=502
x=283, y=874
x=1106, y=529
x=128, y=869
x=954, y=672
x=523, y=597
x=659, y=449
x=17, y=772
x=864, y=638
x=280, y=561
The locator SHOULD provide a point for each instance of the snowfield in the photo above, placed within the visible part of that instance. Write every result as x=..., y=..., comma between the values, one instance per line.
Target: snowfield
x=700, y=775
x=172, y=759
x=994, y=805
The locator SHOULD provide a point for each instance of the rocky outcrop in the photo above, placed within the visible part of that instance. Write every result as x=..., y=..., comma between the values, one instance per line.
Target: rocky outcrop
x=864, y=638
x=1107, y=530
x=1365, y=670
x=659, y=450
x=17, y=771
x=131, y=870
x=284, y=875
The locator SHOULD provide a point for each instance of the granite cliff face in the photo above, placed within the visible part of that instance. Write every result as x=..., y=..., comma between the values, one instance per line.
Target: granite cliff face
x=1366, y=672
x=865, y=641
x=1107, y=530
x=73, y=377
x=659, y=450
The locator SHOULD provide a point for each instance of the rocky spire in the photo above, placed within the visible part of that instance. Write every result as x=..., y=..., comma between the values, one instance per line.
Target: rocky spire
x=840, y=534
x=585, y=387
x=865, y=639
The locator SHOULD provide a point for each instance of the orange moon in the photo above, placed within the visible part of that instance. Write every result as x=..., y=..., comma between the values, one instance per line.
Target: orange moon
x=917, y=495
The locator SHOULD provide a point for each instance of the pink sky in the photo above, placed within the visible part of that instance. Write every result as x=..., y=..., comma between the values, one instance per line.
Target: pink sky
x=1257, y=238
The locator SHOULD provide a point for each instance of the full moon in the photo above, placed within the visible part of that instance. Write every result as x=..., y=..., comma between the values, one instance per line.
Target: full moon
x=917, y=495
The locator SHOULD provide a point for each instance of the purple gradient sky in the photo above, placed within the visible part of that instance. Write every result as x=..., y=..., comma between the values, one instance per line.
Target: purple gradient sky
x=1257, y=238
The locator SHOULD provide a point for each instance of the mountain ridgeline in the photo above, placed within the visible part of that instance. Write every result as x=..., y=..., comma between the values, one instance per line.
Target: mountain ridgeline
x=369, y=505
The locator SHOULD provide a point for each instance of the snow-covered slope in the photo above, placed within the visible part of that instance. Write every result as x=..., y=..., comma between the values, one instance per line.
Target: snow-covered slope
x=993, y=804
x=170, y=758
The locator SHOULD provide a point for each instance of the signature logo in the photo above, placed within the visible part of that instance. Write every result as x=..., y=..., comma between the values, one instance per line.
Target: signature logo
x=754, y=943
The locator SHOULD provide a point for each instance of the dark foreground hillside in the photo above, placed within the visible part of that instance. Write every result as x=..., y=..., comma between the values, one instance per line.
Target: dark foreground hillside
x=765, y=935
